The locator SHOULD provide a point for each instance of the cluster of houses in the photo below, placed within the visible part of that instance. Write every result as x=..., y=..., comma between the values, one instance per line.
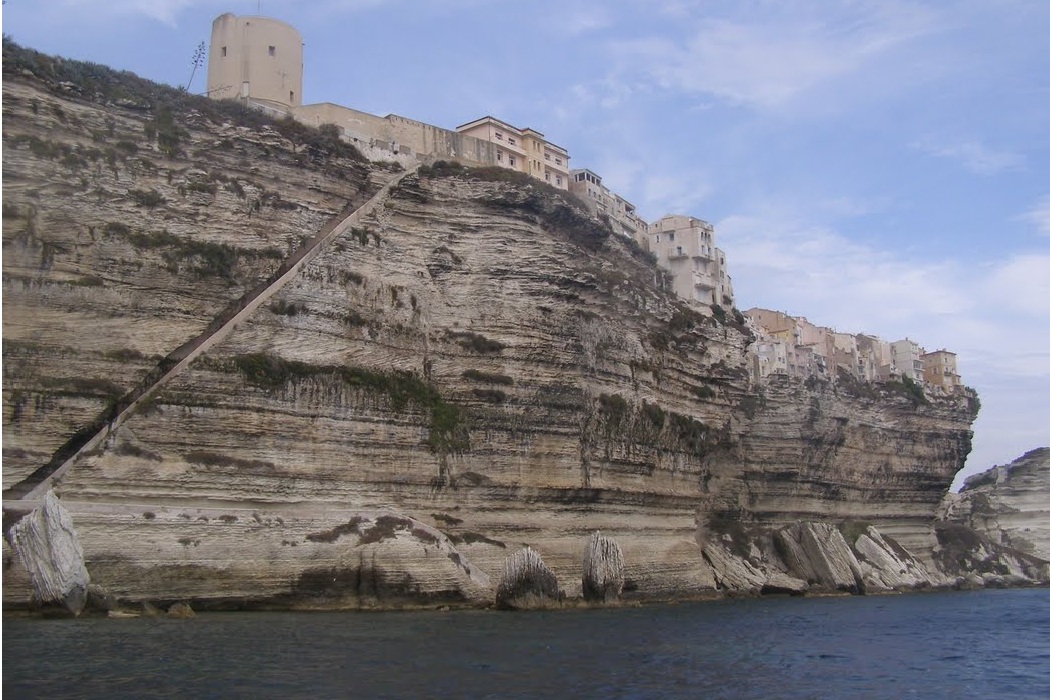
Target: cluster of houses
x=259, y=60
x=792, y=346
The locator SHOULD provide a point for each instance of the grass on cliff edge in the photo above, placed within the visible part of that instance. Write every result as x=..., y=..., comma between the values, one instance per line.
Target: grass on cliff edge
x=555, y=209
x=106, y=86
x=448, y=429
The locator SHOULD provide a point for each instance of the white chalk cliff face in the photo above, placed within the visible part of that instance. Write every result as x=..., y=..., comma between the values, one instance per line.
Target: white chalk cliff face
x=473, y=368
x=1008, y=510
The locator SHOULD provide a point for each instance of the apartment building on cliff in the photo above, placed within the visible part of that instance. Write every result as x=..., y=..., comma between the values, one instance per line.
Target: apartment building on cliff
x=794, y=347
x=938, y=369
x=603, y=202
x=685, y=246
x=524, y=150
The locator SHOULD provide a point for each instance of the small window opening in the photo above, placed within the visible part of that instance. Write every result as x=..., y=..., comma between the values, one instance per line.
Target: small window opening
x=273, y=50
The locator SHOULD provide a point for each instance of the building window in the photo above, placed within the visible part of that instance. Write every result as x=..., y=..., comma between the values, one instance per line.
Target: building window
x=546, y=156
x=558, y=161
x=273, y=50
x=510, y=140
x=291, y=96
x=499, y=136
x=679, y=247
x=223, y=52
x=513, y=162
x=499, y=156
x=670, y=237
x=547, y=177
x=558, y=182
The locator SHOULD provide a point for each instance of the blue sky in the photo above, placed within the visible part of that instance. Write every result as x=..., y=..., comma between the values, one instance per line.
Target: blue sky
x=877, y=166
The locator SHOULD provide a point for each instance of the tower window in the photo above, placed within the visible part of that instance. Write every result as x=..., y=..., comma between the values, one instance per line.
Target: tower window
x=273, y=50
x=224, y=52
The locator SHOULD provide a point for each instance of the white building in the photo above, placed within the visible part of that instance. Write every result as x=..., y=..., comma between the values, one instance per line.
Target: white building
x=685, y=246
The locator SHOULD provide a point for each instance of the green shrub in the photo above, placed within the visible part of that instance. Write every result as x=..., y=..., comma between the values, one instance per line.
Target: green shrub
x=448, y=429
x=704, y=392
x=476, y=342
x=147, y=198
x=488, y=377
x=490, y=395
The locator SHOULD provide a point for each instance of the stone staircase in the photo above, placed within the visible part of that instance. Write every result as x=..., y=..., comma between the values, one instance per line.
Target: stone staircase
x=33, y=488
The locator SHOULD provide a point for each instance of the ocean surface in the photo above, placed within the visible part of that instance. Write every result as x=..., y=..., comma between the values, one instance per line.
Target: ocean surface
x=960, y=645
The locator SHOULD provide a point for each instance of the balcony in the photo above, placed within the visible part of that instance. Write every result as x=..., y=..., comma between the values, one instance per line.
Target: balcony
x=704, y=282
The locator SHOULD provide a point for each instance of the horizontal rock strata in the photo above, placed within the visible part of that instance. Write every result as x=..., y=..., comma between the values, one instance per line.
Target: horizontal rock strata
x=475, y=368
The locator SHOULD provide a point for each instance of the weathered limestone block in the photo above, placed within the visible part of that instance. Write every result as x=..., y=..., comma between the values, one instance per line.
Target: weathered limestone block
x=526, y=582
x=737, y=574
x=818, y=553
x=602, y=569
x=46, y=543
x=779, y=582
x=963, y=552
x=886, y=567
x=733, y=573
x=1009, y=504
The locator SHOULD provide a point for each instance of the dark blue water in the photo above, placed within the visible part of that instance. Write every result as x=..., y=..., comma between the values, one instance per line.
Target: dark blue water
x=986, y=644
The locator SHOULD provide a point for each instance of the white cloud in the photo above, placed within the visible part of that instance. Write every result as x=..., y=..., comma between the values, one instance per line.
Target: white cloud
x=1039, y=215
x=975, y=156
x=766, y=55
x=1022, y=285
x=578, y=19
x=164, y=11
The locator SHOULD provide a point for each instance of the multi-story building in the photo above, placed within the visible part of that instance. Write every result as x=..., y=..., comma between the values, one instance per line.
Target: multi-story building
x=769, y=356
x=684, y=245
x=939, y=369
x=907, y=359
x=255, y=58
x=846, y=355
x=524, y=150
x=796, y=347
x=587, y=185
x=820, y=341
x=875, y=359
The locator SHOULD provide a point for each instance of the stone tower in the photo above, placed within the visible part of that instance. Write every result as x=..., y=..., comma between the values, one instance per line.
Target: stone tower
x=255, y=57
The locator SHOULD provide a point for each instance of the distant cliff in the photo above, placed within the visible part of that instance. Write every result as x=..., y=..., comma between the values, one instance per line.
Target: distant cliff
x=475, y=367
x=1008, y=509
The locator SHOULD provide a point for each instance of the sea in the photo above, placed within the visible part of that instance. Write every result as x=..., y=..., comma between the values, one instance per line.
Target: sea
x=959, y=645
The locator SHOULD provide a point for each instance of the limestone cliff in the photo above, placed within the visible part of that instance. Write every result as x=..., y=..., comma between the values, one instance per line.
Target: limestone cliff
x=1009, y=504
x=474, y=368
x=998, y=525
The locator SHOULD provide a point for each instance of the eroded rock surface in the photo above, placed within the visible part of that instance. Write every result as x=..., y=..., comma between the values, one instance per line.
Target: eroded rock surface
x=477, y=360
x=603, y=569
x=45, y=543
x=1009, y=504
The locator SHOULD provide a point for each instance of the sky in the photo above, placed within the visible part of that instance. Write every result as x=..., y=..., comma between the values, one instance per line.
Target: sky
x=877, y=166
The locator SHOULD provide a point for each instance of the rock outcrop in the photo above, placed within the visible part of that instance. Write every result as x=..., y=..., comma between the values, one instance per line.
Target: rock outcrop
x=527, y=583
x=996, y=530
x=46, y=544
x=602, y=569
x=1010, y=504
x=474, y=367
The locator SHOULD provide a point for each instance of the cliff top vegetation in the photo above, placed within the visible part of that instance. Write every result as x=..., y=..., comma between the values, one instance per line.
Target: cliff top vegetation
x=104, y=85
